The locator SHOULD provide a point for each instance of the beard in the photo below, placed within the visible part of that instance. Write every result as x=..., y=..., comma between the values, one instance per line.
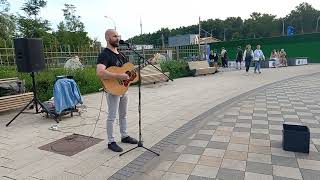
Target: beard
x=114, y=44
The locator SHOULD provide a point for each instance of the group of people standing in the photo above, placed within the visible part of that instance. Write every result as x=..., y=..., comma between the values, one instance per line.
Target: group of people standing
x=248, y=55
x=279, y=57
x=214, y=57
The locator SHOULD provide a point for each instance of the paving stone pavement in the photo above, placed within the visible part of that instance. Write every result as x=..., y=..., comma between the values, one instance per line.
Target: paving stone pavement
x=172, y=113
x=243, y=140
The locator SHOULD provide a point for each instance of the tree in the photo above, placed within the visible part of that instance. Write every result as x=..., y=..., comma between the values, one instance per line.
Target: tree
x=72, y=21
x=303, y=18
x=32, y=7
x=71, y=30
x=33, y=27
x=4, y=6
x=260, y=25
x=7, y=24
x=233, y=26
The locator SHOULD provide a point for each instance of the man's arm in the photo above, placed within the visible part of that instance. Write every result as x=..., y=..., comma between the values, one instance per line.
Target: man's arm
x=103, y=74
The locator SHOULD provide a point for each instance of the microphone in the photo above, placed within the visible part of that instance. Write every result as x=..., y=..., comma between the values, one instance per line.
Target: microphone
x=123, y=42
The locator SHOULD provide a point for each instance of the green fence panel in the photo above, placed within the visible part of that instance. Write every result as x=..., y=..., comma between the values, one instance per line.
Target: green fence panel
x=306, y=45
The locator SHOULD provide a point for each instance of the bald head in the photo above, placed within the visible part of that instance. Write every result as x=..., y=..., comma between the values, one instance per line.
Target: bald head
x=109, y=33
x=112, y=37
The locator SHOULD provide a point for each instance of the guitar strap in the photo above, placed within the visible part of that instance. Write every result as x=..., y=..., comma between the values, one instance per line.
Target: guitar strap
x=119, y=59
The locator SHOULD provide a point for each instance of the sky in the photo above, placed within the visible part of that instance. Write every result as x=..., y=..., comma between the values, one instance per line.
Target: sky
x=126, y=15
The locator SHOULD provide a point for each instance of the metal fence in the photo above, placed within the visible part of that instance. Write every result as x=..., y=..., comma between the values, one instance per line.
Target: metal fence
x=56, y=56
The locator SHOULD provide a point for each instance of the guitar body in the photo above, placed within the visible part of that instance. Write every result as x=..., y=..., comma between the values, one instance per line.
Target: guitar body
x=118, y=87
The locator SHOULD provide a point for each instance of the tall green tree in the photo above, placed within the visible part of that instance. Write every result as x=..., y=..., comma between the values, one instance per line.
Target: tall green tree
x=260, y=25
x=32, y=26
x=71, y=30
x=7, y=24
x=33, y=7
x=233, y=27
x=303, y=18
x=72, y=21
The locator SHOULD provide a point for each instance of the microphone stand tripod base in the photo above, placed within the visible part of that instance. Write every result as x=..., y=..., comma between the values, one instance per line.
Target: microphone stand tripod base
x=140, y=144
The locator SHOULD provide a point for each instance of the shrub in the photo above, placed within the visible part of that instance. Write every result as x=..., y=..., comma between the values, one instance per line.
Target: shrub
x=177, y=68
x=86, y=80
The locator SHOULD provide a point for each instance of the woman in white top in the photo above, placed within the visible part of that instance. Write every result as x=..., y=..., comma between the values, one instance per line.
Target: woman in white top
x=258, y=57
x=275, y=57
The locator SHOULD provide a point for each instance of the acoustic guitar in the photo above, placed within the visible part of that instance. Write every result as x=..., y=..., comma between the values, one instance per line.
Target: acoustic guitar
x=119, y=87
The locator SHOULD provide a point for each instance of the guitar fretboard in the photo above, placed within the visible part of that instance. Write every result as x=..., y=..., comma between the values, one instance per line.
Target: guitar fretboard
x=141, y=66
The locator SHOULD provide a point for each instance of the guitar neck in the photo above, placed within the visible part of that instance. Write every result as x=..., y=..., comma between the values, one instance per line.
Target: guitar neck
x=141, y=66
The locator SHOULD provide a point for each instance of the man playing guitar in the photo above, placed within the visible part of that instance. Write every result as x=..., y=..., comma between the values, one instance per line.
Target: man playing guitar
x=110, y=56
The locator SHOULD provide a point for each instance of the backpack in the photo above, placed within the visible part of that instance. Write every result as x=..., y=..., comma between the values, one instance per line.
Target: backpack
x=248, y=55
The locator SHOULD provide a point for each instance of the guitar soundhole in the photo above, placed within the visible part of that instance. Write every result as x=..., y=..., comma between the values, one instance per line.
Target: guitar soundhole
x=132, y=77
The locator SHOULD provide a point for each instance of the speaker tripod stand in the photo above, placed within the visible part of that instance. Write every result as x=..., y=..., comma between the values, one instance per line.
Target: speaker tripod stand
x=34, y=100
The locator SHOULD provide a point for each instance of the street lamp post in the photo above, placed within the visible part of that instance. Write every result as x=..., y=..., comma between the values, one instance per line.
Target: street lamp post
x=140, y=26
x=114, y=24
x=199, y=38
x=283, y=27
x=317, y=24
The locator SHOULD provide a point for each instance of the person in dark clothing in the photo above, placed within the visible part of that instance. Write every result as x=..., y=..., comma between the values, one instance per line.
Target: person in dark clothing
x=239, y=58
x=110, y=56
x=211, y=60
x=215, y=59
x=224, y=57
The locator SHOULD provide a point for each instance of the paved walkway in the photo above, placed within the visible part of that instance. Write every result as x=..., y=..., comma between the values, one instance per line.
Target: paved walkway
x=243, y=139
x=166, y=108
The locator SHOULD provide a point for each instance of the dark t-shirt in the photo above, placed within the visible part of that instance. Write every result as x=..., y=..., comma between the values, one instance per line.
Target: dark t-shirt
x=109, y=58
x=239, y=54
x=213, y=57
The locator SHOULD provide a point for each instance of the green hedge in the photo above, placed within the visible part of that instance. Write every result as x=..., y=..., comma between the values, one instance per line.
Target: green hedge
x=86, y=79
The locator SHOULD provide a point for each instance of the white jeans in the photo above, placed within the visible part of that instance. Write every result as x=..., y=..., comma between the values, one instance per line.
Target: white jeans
x=117, y=103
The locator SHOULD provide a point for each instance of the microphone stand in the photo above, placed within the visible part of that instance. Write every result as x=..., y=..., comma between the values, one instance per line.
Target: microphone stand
x=140, y=142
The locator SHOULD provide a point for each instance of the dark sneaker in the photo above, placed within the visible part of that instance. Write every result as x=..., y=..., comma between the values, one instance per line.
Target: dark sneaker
x=114, y=147
x=129, y=140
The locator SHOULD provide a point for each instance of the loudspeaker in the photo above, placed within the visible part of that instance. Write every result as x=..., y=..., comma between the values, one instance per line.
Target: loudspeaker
x=29, y=54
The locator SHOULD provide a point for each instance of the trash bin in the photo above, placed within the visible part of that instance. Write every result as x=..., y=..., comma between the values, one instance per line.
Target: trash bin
x=272, y=63
x=291, y=61
x=295, y=138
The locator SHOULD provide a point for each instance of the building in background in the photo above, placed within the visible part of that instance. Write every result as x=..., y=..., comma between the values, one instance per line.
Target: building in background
x=189, y=39
x=182, y=40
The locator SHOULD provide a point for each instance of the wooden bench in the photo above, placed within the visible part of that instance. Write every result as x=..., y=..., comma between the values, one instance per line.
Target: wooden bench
x=8, y=80
x=13, y=101
x=201, y=68
x=149, y=74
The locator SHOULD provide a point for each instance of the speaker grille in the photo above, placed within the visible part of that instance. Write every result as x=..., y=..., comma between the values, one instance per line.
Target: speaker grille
x=29, y=54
